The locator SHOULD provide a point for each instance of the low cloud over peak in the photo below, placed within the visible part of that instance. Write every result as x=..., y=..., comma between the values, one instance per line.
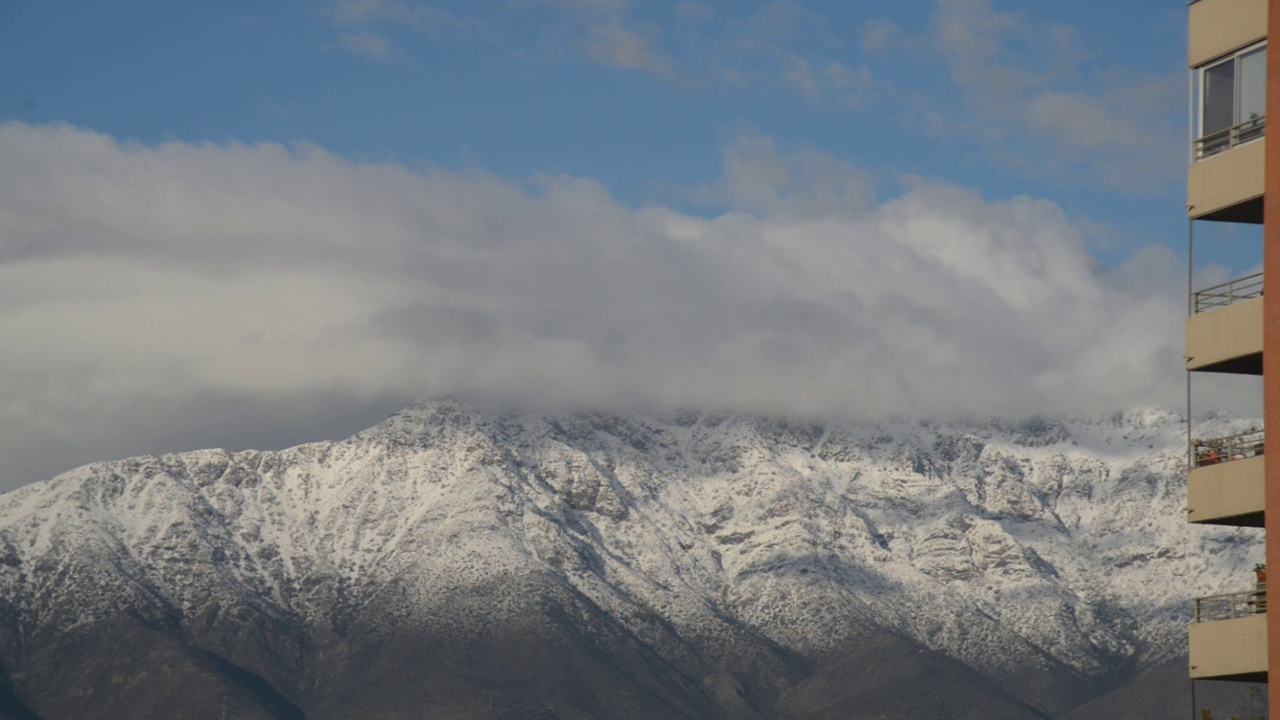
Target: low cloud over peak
x=147, y=286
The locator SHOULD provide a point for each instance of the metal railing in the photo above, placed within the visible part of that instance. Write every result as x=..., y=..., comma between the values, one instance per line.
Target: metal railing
x=1225, y=449
x=1230, y=606
x=1228, y=293
x=1223, y=140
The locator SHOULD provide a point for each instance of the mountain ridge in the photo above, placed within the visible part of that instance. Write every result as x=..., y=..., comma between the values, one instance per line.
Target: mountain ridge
x=721, y=564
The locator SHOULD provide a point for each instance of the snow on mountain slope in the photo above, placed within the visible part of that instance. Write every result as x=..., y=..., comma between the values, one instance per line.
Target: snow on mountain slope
x=1005, y=545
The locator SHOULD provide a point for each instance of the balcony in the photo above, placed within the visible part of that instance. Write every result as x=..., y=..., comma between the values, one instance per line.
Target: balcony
x=1226, y=182
x=1226, y=484
x=1224, y=140
x=1217, y=27
x=1225, y=332
x=1228, y=636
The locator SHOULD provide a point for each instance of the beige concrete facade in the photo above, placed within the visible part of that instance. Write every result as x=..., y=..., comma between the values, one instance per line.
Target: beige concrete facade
x=1228, y=648
x=1226, y=339
x=1218, y=27
x=1228, y=179
x=1229, y=493
x=1238, y=183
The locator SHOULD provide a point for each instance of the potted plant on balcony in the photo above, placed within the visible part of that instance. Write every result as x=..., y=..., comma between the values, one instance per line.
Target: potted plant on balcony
x=1259, y=600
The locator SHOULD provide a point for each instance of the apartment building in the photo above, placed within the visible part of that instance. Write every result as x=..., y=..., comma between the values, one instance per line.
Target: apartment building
x=1234, y=328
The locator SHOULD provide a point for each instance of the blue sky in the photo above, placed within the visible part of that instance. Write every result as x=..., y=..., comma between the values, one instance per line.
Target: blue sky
x=254, y=224
x=641, y=96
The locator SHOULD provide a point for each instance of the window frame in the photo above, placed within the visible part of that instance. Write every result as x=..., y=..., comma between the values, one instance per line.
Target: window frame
x=1232, y=136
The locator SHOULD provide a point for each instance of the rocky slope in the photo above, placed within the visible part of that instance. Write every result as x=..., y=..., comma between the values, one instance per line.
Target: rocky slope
x=451, y=562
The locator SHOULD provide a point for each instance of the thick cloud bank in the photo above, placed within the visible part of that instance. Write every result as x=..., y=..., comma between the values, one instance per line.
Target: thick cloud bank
x=174, y=296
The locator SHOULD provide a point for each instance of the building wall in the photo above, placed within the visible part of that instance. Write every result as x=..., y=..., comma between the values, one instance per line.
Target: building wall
x=1221, y=26
x=1271, y=340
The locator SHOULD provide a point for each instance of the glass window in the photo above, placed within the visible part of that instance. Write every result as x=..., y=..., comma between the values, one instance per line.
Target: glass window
x=1232, y=98
x=1219, y=97
x=1253, y=86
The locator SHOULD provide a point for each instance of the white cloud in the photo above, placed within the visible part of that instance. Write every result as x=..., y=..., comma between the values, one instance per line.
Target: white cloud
x=974, y=37
x=798, y=72
x=356, y=12
x=368, y=43
x=364, y=20
x=1023, y=98
x=184, y=295
x=854, y=88
x=608, y=7
x=602, y=32
x=760, y=179
x=693, y=12
x=612, y=43
x=780, y=44
x=880, y=34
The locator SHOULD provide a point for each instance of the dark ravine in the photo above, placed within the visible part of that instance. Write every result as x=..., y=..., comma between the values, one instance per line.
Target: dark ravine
x=452, y=563
x=11, y=706
x=256, y=686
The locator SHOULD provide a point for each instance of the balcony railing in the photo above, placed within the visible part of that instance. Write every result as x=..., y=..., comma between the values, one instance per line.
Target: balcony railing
x=1224, y=140
x=1228, y=293
x=1225, y=449
x=1231, y=605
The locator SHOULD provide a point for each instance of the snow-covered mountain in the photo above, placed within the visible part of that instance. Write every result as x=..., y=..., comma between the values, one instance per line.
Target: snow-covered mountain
x=452, y=562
